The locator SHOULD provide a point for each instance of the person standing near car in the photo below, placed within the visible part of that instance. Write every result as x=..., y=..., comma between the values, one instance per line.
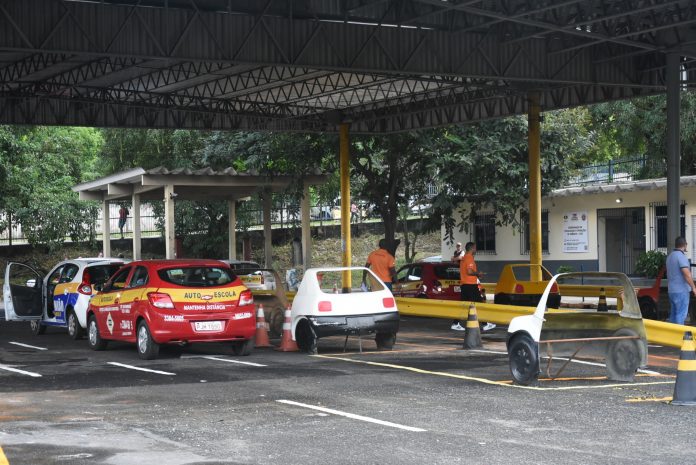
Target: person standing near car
x=382, y=263
x=457, y=252
x=469, y=281
x=680, y=284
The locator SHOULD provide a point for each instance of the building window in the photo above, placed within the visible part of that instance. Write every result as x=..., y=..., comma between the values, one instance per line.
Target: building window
x=524, y=218
x=660, y=228
x=484, y=233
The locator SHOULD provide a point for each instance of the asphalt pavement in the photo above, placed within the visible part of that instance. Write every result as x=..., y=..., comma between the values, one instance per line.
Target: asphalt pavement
x=426, y=402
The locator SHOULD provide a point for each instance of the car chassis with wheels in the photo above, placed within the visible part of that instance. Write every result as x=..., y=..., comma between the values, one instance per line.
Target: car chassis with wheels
x=608, y=326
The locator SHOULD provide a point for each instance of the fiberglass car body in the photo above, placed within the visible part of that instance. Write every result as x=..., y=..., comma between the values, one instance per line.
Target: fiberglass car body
x=60, y=298
x=608, y=325
x=516, y=287
x=172, y=301
x=321, y=309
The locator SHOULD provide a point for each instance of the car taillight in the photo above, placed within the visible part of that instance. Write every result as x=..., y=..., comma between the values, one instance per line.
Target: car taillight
x=324, y=306
x=85, y=288
x=519, y=289
x=160, y=300
x=246, y=298
x=554, y=288
x=388, y=302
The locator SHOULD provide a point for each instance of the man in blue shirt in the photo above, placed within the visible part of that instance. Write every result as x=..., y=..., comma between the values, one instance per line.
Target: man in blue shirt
x=680, y=283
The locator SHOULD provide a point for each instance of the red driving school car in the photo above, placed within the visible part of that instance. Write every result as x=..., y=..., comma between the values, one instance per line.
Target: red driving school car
x=172, y=301
x=432, y=280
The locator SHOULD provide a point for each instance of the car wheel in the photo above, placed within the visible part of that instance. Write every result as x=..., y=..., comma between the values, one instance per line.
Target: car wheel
x=36, y=327
x=148, y=349
x=243, y=347
x=501, y=299
x=385, y=340
x=74, y=329
x=275, y=319
x=623, y=357
x=524, y=360
x=648, y=308
x=306, y=337
x=94, y=339
x=554, y=301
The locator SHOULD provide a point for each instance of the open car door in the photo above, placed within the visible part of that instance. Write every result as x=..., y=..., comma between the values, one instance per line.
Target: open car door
x=22, y=293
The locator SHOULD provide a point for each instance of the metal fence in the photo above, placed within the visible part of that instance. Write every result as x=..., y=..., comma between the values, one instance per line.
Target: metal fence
x=617, y=171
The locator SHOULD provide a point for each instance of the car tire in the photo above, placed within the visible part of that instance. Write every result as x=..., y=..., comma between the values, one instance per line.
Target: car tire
x=385, y=341
x=37, y=329
x=623, y=357
x=648, y=308
x=94, y=338
x=148, y=349
x=554, y=301
x=74, y=329
x=306, y=337
x=524, y=359
x=502, y=299
x=276, y=318
x=243, y=348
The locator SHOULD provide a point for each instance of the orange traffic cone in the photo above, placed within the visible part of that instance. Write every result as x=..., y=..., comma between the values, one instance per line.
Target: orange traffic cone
x=286, y=342
x=261, y=339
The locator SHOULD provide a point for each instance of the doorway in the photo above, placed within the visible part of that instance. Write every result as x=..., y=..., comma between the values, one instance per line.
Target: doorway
x=624, y=237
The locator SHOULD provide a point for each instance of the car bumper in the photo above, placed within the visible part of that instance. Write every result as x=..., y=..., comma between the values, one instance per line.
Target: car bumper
x=178, y=329
x=355, y=324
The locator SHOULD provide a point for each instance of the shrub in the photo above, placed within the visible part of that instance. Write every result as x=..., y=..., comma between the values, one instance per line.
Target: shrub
x=649, y=263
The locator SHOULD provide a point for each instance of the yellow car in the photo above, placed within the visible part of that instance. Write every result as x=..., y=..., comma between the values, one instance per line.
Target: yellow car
x=516, y=287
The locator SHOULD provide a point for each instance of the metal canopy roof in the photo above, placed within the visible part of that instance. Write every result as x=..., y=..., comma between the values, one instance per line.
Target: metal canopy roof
x=383, y=65
x=202, y=184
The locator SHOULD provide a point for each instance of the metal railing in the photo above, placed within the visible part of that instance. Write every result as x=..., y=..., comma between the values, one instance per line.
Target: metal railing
x=617, y=171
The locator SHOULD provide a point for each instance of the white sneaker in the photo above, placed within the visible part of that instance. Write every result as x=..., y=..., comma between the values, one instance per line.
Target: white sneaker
x=488, y=326
x=458, y=327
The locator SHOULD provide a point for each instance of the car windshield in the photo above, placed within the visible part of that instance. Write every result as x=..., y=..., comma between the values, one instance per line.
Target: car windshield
x=100, y=274
x=196, y=276
x=447, y=271
x=523, y=273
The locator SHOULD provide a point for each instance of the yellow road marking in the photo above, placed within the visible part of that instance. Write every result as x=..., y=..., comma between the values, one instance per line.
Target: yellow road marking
x=3, y=459
x=386, y=352
x=650, y=399
x=485, y=380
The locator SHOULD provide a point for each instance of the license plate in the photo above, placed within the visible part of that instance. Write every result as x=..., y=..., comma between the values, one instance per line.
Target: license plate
x=208, y=325
x=457, y=289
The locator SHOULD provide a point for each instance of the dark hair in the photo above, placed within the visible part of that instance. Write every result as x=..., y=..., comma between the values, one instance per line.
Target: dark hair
x=679, y=242
x=382, y=243
x=469, y=246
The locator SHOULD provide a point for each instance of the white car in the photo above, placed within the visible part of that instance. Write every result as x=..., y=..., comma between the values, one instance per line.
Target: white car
x=60, y=298
x=599, y=317
x=321, y=309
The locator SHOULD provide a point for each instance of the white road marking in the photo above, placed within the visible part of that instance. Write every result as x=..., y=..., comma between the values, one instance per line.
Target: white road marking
x=211, y=357
x=653, y=345
x=27, y=345
x=352, y=416
x=21, y=372
x=141, y=369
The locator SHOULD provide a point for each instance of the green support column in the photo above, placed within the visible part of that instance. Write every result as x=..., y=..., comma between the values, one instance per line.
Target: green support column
x=345, y=203
x=534, y=134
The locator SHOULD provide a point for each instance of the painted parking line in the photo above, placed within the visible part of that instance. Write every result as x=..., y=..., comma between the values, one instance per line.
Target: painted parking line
x=27, y=345
x=221, y=358
x=131, y=367
x=3, y=459
x=21, y=372
x=352, y=416
x=490, y=381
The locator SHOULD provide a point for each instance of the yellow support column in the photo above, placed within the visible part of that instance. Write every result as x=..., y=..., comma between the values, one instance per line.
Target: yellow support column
x=534, y=133
x=345, y=203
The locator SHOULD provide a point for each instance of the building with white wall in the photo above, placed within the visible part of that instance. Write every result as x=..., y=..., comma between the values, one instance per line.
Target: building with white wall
x=590, y=228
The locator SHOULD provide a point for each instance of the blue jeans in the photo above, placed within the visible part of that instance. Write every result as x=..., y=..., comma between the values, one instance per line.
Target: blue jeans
x=678, y=307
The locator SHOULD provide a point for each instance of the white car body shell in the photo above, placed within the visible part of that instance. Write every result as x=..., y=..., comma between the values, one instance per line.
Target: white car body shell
x=309, y=294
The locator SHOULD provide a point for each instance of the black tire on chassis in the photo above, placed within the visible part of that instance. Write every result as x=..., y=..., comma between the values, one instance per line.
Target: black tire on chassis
x=524, y=359
x=74, y=329
x=243, y=347
x=94, y=339
x=385, y=341
x=276, y=317
x=148, y=349
x=37, y=329
x=501, y=299
x=623, y=357
x=306, y=337
x=648, y=308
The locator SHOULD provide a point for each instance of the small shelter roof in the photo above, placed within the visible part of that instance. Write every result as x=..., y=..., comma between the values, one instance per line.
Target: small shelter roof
x=189, y=184
x=624, y=186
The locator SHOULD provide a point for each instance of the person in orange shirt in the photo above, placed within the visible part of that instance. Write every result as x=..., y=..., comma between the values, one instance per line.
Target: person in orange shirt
x=382, y=263
x=469, y=281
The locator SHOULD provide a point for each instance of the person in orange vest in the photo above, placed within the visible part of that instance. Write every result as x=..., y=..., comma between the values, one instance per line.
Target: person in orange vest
x=382, y=263
x=469, y=276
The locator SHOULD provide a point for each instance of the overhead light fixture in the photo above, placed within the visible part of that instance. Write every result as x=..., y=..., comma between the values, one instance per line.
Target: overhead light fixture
x=619, y=200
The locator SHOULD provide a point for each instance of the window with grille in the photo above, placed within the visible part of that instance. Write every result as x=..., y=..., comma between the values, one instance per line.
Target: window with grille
x=524, y=218
x=484, y=233
x=660, y=230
